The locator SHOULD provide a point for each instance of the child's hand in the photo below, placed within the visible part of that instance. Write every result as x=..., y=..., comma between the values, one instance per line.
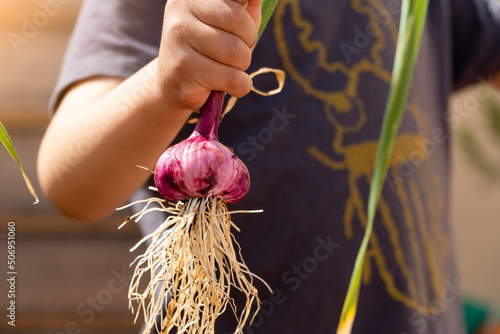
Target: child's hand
x=206, y=45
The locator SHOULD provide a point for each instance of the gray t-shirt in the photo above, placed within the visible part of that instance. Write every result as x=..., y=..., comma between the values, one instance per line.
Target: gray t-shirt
x=310, y=152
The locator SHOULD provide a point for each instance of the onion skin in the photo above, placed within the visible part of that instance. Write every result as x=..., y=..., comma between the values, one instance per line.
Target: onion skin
x=200, y=165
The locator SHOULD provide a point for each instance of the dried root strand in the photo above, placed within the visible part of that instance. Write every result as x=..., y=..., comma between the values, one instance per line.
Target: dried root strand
x=190, y=267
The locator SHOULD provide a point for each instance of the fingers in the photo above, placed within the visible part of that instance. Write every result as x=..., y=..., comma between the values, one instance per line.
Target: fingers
x=221, y=46
x=219, y=76
x=194, y=75
x=188, y=75
x=206, y=45
x=226, y=15
x=254, y=9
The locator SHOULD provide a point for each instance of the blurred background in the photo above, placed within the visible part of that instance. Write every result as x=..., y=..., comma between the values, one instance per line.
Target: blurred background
x=74, y=276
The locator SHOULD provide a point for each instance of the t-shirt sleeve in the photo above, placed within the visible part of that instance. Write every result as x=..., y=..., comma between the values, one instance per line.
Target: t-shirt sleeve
x=111, y=38
x=476, y=40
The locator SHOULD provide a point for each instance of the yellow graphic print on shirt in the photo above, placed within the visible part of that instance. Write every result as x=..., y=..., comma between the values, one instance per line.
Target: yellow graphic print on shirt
x=419, y=196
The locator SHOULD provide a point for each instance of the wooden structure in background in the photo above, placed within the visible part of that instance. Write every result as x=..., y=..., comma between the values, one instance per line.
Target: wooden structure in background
x=72, y=277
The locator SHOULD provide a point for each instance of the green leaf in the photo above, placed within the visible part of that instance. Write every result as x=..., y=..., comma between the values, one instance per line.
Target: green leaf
x=268, y=7
x=476, y=156
x=7, y=142
x=494, y=117
x=413, y=16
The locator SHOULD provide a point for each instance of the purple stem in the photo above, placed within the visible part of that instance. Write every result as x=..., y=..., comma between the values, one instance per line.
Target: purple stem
x=210, y=113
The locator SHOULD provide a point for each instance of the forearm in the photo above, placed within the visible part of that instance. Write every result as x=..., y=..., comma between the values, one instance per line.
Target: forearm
x=88, y=157
x=87, y=160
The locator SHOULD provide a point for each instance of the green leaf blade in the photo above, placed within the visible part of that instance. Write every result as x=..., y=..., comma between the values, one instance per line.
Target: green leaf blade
x=413, y=16
x=476, y=155
x=268, y=7
x=494, y=118
x=7, y=142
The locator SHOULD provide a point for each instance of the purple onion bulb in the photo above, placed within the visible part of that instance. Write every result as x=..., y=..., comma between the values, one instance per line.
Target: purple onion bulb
x=200, y=165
